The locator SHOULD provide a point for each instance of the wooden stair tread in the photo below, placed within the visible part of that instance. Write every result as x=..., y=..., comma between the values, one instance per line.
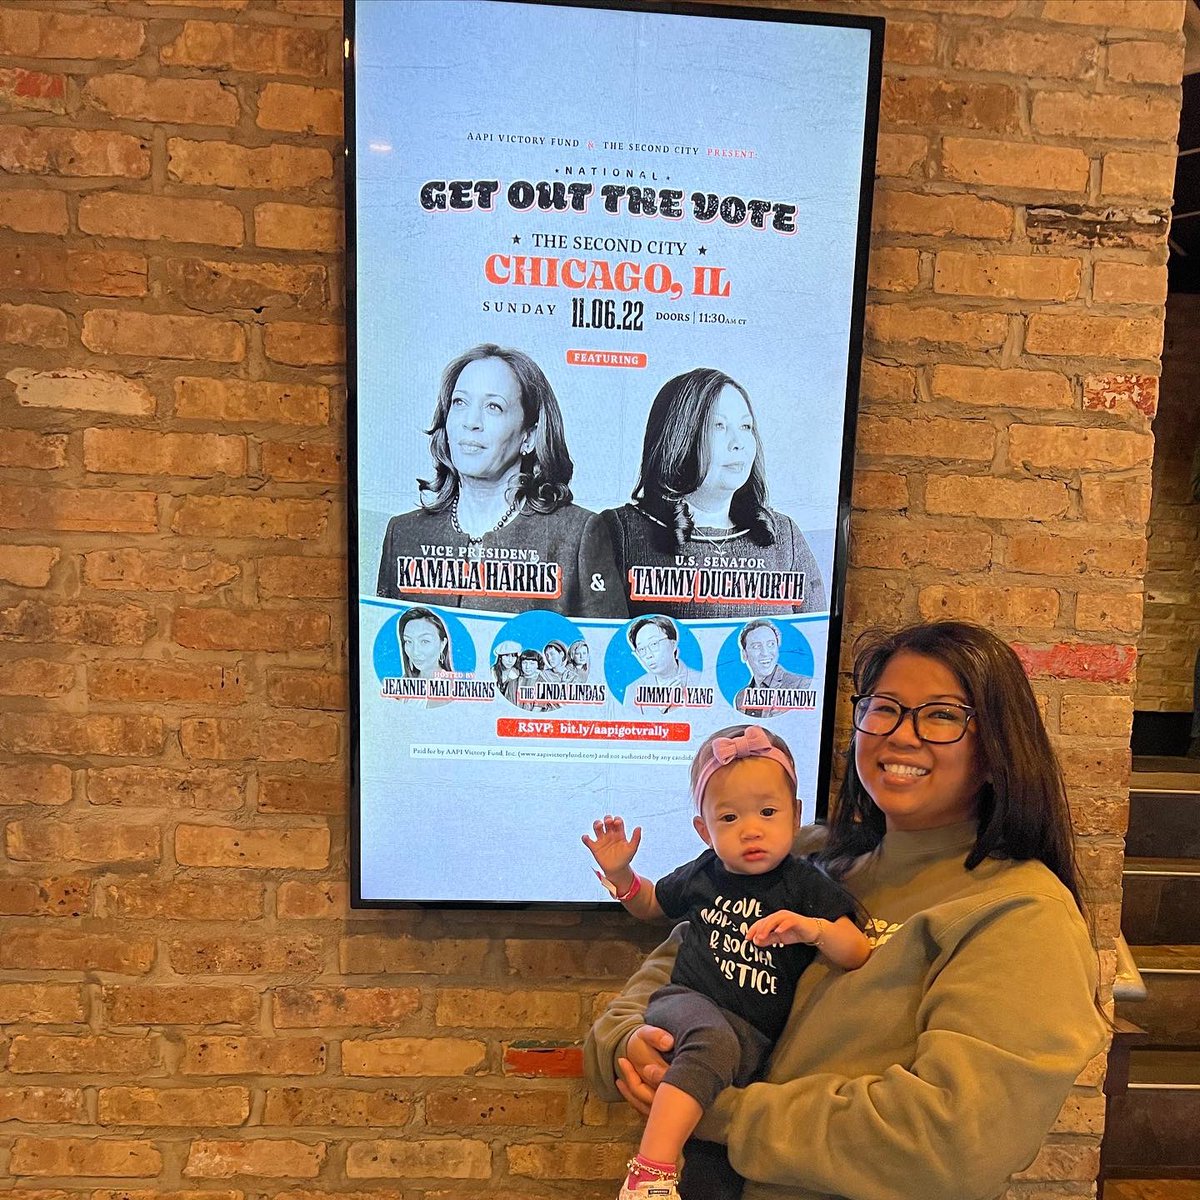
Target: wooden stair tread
x=1167, y=958
x=1162, y=866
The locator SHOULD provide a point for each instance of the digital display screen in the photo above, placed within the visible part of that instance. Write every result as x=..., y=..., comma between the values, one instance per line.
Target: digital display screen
x=606, y=272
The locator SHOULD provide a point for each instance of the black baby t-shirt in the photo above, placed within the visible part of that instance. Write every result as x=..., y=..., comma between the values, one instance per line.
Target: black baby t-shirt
x=716, y=960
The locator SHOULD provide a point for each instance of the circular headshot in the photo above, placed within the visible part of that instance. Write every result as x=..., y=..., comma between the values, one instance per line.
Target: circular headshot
x=765, y=667
x=422, y=644
x=658, y=655
x=536, y=659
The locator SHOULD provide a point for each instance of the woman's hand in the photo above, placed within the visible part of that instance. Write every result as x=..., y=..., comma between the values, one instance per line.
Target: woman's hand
x=611, y=849
x=643, y=1067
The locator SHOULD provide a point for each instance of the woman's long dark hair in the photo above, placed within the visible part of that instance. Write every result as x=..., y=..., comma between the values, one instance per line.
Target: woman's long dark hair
x=423, y=614
x=545, y=479
x=1023, y=811
x=676, y=456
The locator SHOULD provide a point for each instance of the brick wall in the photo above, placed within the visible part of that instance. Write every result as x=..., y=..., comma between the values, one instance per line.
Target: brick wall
x=187, y=1007
x=1171, y=633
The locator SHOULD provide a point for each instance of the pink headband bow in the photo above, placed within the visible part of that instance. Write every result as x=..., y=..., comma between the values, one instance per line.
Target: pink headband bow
x=752, y=742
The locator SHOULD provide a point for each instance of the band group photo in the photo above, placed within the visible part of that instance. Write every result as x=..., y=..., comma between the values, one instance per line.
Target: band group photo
x=496, y=529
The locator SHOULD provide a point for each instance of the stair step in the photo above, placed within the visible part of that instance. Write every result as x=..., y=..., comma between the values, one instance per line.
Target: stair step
x=1160, y=904
x=1170, y=1010
x=1164, y=820
x=1162, y=1069
x=1188, y=867
x=1152, y=1189
x=1167, y=960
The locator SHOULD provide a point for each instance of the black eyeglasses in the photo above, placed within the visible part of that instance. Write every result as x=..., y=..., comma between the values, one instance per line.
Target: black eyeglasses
x=937, y=721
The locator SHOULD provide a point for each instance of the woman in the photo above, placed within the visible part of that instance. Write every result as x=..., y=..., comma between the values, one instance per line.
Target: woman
x=935, y=1070
x=579, y=656
x=556, y=669
x=496, y=528
x=701, y=498
x=505, y=669
x=424, y=645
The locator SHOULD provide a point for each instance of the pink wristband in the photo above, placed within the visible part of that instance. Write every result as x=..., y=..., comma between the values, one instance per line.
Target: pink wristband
x=611, y=888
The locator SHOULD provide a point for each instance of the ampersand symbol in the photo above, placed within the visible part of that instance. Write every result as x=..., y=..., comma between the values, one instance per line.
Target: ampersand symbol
x=597, y=582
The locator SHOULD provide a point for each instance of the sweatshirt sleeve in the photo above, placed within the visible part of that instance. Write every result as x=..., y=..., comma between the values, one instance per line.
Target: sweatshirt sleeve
x=1005, y=1025
x=606, y=1040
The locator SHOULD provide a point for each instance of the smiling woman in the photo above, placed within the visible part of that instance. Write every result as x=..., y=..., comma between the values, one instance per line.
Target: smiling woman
x=500, y=493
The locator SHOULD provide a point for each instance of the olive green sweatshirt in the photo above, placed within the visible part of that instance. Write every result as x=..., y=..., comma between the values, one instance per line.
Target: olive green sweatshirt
x=934, y=1071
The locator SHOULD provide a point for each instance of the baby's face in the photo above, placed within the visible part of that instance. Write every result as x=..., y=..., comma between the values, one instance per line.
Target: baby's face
x=749, y=815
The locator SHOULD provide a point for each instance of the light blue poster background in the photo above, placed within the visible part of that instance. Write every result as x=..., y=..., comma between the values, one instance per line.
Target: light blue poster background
x=471, y=91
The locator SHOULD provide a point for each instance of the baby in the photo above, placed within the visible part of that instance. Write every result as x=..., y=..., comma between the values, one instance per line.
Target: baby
x=756, y=917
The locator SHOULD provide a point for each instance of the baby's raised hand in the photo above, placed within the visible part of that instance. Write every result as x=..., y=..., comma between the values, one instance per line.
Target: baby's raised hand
x=784, y=928
x=611, y=849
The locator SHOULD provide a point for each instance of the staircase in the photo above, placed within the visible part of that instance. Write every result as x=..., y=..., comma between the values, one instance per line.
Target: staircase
x=1151, y=1145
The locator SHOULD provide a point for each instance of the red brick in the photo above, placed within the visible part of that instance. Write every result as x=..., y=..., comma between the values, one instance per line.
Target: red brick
x=261, y=1158
x=42, y=1003
x=27, y=150
x=1007, y=276
x=921, y=437
x=546, y=959
x=83, y=272
x=184, y=900
x=87, y=391
x=266, y=848
x=218, y=287
x=315, y=741
x=566, y=1160
x=161, y=218
x=35, y=677
x=99, y=735
x=298, y=227
x=969, y=329
x=81, y=624
x=239, y=401
x=261, y=49
x=76, y=1157
x=448, y=1158
x=140, y=452
x=255, y=1056
x=118, y=331
x=212, y=788
x=92, y=842
x=157, y=1004
x=47, y=1054
x=301, y=794
x=1121, y=393
x=250, y=629
x=34, y=783
x=1078, y=660
x=342, y=1007
x=894, y=269
x=25, y=210
x=163, y=101
x=251, y=517
x=1071, y=448
x=199, y=1107
x=41, y=949
x=87, y=509
x=294, y=108
x=32, y=325
x=307, y=689
x=157, y=571
x=1140, y=117
x=1084, y=335
x=26, y=33
x=31, y=91
x=301, y=578
x=244, y=955
x=165, y=682
x=329, y=1106
x=899, y=153
x=493, y=1008
x=880, y=490
x=60, y=896
x=1120, y=500
x=1020, y=165
x=1000, y=387
x=913, y=43
x=1046, y=553
x=540, y=1060
x=303, y=345
x=318, y=901
x=1146, y=62
x=1095, y=716
x=225, y=164
x=43, y=1105
x=32, y=451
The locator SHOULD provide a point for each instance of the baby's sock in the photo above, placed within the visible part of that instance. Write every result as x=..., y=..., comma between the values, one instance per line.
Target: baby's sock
x=646, y=1170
